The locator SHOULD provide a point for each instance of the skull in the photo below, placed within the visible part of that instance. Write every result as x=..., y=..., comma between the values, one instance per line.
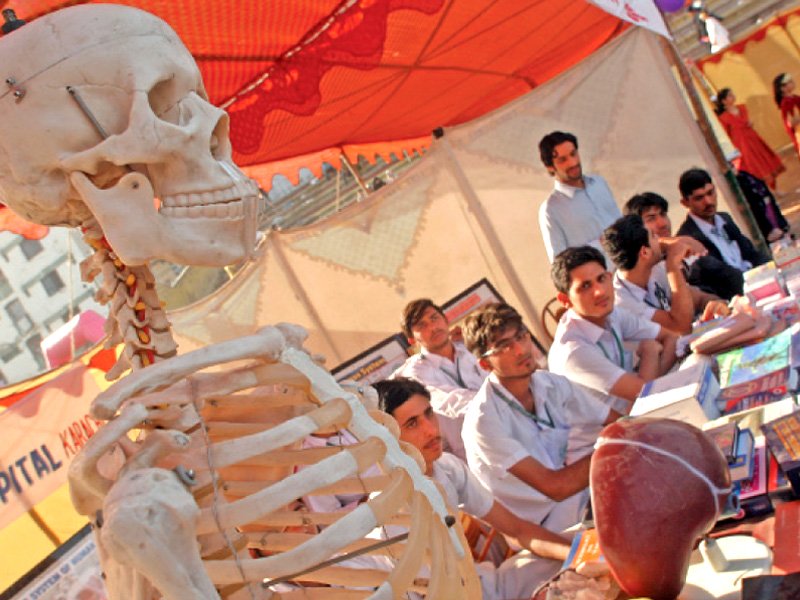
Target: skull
x=159, y=178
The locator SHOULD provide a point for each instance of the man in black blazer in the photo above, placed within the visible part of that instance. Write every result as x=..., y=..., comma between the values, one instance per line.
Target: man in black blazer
x=715, y=230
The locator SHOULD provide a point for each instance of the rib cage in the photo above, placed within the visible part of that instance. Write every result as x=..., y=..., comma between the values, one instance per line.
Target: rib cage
x=234, y=415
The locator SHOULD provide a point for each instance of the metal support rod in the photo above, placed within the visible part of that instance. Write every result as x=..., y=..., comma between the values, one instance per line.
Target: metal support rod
x=51, y=535
x=674, y=57
x=449, y=520
x=86, y=111
x=350, y=168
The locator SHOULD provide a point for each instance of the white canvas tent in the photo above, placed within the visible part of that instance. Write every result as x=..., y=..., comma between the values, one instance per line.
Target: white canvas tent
x=467, y=210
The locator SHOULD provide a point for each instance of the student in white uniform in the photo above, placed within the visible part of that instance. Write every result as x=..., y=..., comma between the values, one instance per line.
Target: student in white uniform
x=580, y=206
x=588, y=345
x=529, y=433
x=517, y=577
x=449, y=372
x=650, y=282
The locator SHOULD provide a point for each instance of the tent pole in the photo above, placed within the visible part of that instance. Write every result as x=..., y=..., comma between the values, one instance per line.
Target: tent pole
x=44, y=527
x=301, y=295
x=476, y=208
x=674, y=57
x=350, y=168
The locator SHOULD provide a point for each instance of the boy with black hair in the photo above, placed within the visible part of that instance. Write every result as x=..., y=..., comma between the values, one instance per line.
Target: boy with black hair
x=715, y=230
x=707, y=273
x=580, y=206
x=589, y=341
x=409, y=403
x=528, y=433
x=445, y=367
x=650, y=282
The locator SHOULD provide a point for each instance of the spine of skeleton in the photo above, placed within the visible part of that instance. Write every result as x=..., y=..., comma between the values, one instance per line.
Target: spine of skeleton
x=136, y=316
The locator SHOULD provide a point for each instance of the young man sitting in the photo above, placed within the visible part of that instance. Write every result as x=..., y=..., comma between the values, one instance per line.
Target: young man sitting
x=409, y=403
x=715, y=230
x=449, y=372
x=528, y=433
x=652, y=288
x=588, y=347
x=707, y=272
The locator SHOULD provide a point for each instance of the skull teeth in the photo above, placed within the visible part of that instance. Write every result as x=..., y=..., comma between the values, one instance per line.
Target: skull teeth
x=218, y=204
x=229, y=210
x=207, y=198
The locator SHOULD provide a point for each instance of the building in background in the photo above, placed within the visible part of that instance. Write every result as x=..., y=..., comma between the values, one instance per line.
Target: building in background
x=40, y=290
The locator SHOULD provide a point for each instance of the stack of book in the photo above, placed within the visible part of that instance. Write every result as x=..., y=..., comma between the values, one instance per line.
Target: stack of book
x=759, y=374
x=757, y=477
x=687, y=395
x=783, y=440
x=737, y=447
x=788, y=262
x=786, y=309
x=764, y=284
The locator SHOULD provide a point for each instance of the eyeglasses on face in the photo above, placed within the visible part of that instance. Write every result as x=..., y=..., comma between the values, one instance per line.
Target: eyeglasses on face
x=501, y=347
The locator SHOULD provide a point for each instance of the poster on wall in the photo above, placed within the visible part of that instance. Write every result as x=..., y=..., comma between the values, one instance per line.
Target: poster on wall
x=375, y=363
x=478, y=294
x=72, y=572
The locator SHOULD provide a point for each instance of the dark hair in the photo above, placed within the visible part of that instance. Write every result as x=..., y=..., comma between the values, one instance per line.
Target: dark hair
x=547, y=145
x=485, y=324
x=719, y=107
x=396, y=392
x=777, y=92
x=692, y=180
x=572, y=258
x=641, y=202
x=413, y=311
x=624, y=239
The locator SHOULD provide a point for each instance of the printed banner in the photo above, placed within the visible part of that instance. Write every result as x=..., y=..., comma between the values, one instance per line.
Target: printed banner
x=473, y=297
x=375, y=363
x=72, y=571
x=643, y=13
x=40, y=435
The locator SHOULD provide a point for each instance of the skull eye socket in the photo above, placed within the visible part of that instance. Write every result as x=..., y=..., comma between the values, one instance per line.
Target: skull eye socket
x=165, y=100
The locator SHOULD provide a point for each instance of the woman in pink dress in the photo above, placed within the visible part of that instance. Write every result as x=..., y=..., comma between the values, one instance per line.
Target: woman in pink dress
x=789, y=103
x=756, y=157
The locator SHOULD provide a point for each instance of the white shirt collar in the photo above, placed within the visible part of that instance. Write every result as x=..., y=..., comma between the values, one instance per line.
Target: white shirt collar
x=572, y=321
x=634, y=290
x=569, y=190
x=438, y=359
x=706, y=227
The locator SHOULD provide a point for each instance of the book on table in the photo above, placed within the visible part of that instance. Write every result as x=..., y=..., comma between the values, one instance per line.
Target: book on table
x=783, y=440
x=778, y=485
x=725, y=437
x=771, y=587
x=754, y=497
x=742, y=466
x=754, y=418
x=746, y=364
x=687, y=395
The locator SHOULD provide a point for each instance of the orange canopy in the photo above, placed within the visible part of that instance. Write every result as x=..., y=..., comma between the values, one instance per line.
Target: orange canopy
x=307, y=77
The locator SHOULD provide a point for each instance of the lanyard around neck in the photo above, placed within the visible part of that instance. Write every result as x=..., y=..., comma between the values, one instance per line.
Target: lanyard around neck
x=515, y=405
x=619, y=349
x=454, y=377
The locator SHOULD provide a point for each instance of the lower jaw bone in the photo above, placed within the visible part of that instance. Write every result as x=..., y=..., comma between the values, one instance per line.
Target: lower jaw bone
x=138, y=233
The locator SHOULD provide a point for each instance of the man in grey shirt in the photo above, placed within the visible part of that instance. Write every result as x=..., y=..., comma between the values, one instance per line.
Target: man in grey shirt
x=580, y=206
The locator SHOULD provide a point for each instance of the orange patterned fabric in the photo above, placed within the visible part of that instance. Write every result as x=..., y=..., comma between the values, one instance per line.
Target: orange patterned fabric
x=299, y=77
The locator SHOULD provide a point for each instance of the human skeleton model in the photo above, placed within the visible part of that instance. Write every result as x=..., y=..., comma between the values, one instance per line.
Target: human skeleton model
x=104, y=111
